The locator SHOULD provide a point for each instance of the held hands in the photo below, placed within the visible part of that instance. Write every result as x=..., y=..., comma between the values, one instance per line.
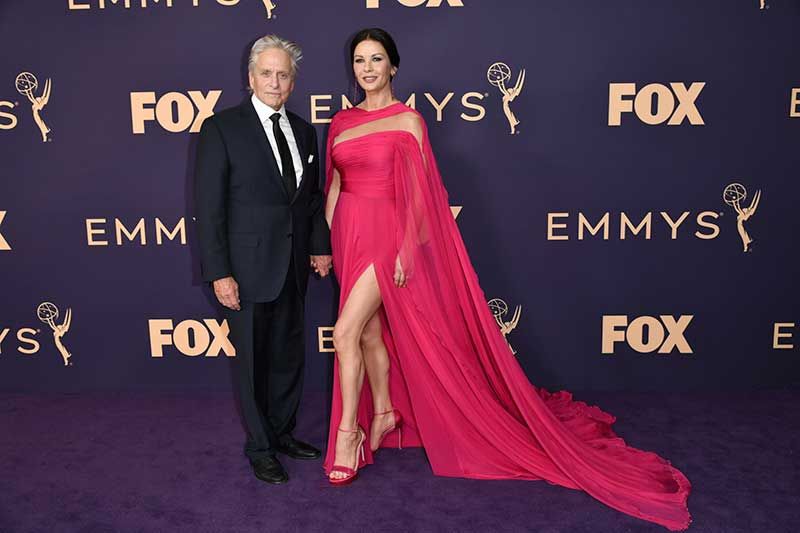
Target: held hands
x=400, y=278
x=227, y=292
x=321, y=264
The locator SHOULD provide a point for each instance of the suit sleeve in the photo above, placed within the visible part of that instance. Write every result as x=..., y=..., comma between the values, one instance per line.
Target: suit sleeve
x=320, y=233
x=211, y=199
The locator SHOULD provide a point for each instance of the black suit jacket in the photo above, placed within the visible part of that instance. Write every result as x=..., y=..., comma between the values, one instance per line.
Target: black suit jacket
x=247, y=224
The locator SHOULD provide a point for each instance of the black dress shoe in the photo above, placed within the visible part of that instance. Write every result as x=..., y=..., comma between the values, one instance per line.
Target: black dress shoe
x=269, y=469
x=298, y=450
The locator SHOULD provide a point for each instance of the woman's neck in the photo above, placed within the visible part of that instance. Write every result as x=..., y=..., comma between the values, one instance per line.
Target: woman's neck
x=377, y=100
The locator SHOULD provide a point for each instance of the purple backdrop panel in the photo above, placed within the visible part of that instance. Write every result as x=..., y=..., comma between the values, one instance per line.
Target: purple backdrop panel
x=623, y=174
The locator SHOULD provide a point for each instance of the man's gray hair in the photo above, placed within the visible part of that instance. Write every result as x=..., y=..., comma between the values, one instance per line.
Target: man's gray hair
x=273, y=41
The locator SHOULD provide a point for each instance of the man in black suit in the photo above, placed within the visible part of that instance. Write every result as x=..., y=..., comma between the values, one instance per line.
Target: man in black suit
x=261, y=225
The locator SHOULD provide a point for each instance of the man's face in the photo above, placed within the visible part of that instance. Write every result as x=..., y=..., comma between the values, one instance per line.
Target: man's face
x=271, y=77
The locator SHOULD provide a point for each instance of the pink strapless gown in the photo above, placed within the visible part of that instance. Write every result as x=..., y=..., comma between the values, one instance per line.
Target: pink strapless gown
x=463, y=395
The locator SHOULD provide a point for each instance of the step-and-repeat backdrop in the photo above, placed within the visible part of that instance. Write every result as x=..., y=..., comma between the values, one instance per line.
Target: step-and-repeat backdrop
x=624, y=174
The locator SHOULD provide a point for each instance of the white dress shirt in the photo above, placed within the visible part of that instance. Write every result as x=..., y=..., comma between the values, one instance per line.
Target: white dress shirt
x=264, y=113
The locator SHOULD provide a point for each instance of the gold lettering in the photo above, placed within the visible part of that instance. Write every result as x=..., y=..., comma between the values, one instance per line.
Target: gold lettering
x=686, y=106
x=626, y=223
x=102, y=3
x=777, y=335
x=643, y=104
x=794, y=104
x=465, y=101
x=552, y=225
x=3, y=336
x=439, y=107
x=616, y=104
x=205, y=107
x=325, y=339
x=635, y=334
x=139, y=228
x=676, y=337
x=12, y=119
x=180, y=227
x=611, y=333
x=674, y=224
x=220, y=340
x=159, y=339
x=3, y=242
x=710, y=225
x=375, y=4
x=184, y=116
x=180, y=336
x=72, y=5
x=34, y=344
x=316, y=107
x=583, y=222
x=140, y=113
x=91, y=231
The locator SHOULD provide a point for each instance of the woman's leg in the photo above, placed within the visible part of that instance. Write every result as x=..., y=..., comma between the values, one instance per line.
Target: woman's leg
x=364, y=299
x=376, y=360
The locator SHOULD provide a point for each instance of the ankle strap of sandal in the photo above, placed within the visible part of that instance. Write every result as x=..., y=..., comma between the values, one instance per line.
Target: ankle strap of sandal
x=385, y=412
x=349, y=430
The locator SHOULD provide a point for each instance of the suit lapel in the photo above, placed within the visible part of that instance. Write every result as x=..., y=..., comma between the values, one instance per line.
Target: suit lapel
x=254, y=124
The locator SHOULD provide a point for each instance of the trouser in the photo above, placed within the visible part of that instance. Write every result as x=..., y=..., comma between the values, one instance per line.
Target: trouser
x=270, y=357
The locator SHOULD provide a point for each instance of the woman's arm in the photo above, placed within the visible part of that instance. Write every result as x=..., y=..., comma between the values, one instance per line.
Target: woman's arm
x=333, y=197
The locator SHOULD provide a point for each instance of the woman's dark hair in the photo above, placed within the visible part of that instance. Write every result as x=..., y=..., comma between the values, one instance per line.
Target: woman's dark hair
x=378, y=35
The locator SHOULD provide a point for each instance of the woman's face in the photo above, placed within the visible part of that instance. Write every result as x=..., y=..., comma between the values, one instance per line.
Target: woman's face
x=371, y=66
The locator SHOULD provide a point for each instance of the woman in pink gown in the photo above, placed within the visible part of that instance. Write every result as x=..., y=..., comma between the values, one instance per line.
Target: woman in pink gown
x=414, y=320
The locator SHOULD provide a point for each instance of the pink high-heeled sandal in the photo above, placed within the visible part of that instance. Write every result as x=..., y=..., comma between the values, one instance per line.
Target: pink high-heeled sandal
x=351, y=474
x=398, y=425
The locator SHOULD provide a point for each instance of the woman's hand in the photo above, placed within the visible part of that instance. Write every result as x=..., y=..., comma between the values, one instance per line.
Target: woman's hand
x=399, y=276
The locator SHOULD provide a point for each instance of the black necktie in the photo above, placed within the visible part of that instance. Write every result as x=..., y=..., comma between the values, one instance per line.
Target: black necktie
x=289, y=177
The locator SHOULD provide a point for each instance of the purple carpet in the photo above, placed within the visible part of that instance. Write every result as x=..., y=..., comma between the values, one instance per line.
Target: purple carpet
x=173, y=463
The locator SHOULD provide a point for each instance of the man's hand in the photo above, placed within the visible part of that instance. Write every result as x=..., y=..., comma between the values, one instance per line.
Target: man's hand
x=321, y=264
x=227, y=292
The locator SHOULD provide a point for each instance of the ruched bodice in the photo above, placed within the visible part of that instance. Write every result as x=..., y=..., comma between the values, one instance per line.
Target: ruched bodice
x=366, y=164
